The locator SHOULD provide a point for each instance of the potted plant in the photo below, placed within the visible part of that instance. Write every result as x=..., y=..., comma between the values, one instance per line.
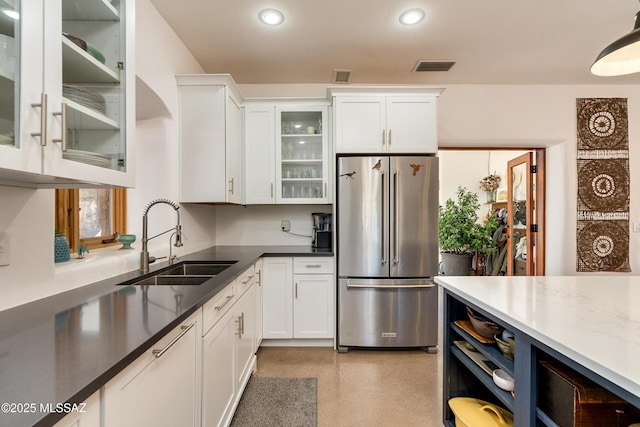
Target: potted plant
x=460, y=234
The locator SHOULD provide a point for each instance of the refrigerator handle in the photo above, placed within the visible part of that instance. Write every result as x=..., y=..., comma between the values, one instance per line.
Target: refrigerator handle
x=396, y=222
x=382, y=246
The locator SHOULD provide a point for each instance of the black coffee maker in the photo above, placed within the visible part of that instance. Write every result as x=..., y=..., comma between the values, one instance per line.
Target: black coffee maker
x=321, y=236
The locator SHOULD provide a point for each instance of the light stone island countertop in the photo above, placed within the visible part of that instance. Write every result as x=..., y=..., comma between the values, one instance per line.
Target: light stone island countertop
x=593, y=320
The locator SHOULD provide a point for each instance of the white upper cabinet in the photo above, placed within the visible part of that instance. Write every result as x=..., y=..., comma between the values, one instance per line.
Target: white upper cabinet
x=210, y=139
x=360, y=124
x=385, y=121
x=67, y=114
x=260, y=154
x=286, y=153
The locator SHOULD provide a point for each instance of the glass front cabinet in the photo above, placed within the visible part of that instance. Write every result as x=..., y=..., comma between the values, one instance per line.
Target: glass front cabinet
x=302, y=170
x=66, y=84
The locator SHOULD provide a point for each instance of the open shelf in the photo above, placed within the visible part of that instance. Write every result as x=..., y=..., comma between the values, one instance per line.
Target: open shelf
x=489, y=350
x=504, y=396
x=544, y=419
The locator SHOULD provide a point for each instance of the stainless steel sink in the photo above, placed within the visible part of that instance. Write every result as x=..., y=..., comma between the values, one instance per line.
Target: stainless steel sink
x=196, y=269
x=183, y=274
x=167, y=280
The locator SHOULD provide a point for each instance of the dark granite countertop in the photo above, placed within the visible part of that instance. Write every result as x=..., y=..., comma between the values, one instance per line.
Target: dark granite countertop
x=65, y=347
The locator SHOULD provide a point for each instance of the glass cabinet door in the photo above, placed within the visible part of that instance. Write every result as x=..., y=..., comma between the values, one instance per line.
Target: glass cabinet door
x=303, y=155
x=9, y=62
x=93, y=83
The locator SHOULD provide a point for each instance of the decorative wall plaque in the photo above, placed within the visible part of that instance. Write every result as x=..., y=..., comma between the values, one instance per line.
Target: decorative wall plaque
x=603, y=185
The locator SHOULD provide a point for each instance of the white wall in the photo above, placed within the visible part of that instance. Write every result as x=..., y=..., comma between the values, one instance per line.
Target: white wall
x=28, y=215
x=260, y=225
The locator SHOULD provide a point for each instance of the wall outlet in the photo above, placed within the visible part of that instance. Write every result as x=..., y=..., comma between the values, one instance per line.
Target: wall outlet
x=4, y=249
x=636, y=227
x=286, y=225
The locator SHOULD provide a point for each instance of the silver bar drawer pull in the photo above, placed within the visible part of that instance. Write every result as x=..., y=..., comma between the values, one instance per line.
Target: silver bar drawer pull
x=248, y=280
x=226, y=301
x=163, y=350
x=313, y=265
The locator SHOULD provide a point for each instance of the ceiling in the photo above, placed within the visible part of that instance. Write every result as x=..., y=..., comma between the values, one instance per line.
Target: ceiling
x=491, y=41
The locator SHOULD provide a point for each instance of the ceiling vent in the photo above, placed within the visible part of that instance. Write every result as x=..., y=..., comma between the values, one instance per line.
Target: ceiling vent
x=342, y=76
x=434, y=66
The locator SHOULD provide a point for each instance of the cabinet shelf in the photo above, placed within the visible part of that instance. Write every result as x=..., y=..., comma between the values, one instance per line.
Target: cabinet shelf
x=301, y=179
x=544, y=418
x=302, y=161
x=300, y=135
x=81, y=117
x=80, y=67
x=90, y=10
x=504, y=396
x=488, y=350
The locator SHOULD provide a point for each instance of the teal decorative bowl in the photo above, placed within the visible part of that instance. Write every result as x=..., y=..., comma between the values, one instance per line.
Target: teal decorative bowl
x=126, y=240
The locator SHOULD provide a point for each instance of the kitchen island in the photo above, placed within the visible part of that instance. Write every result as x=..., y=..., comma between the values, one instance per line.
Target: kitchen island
x=66, y=347
x=589, y=324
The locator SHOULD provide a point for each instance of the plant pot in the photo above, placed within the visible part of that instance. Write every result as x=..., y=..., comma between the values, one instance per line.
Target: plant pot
x=456, y=265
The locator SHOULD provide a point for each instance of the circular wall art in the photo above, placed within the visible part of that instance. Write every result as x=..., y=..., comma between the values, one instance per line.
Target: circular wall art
x=603, y=185
x=602, y=246
x=603, y=124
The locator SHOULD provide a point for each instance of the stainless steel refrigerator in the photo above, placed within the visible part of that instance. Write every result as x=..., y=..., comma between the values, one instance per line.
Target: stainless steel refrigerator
x=387, y=250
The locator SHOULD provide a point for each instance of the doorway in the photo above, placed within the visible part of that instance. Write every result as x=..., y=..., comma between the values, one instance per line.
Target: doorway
x=519, y=200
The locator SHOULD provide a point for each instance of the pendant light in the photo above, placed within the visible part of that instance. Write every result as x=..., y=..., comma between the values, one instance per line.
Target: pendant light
x=622, y=56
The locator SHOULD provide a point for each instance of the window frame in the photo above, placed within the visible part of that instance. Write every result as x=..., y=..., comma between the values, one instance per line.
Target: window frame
x=67, y=221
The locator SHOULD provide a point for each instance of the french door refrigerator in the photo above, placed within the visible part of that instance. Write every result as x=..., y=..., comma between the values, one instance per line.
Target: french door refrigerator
x=387, y=231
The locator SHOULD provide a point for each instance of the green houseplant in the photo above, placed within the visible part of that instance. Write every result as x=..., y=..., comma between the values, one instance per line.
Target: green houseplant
x=460, y=234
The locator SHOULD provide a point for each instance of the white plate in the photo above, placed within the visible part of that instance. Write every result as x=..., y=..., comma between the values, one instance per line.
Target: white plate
x=88, y=157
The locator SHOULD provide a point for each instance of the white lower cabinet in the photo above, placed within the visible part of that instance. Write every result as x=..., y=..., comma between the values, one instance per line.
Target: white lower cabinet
x=245, y=354
x=277, y=297
x=89, y=417
x=161, y=388
x=257, y=297
x=218, y=375
x=228, y=353
x=298, y=298
x=313, y=311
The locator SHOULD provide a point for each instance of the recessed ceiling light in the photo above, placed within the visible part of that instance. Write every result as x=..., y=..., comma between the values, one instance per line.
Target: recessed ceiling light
x=412, y=16
x=11, y=14
x=271, y=16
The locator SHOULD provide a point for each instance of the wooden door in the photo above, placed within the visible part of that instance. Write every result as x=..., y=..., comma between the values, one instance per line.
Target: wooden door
x=520, y=216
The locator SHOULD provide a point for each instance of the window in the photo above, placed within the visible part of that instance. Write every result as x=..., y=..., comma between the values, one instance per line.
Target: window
x=91, y=216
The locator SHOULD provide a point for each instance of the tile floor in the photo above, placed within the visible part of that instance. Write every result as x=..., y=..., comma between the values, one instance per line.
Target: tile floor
x=364, y=387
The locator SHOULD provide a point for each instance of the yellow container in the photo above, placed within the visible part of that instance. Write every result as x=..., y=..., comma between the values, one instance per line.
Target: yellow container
x=472, y=412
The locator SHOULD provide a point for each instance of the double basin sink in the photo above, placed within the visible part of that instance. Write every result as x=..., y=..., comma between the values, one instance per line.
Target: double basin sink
x=186, y=273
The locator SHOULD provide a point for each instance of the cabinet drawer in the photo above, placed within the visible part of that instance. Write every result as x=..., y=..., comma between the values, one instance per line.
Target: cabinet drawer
x=215, y=308
x=245, y=280
x=312, y=265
